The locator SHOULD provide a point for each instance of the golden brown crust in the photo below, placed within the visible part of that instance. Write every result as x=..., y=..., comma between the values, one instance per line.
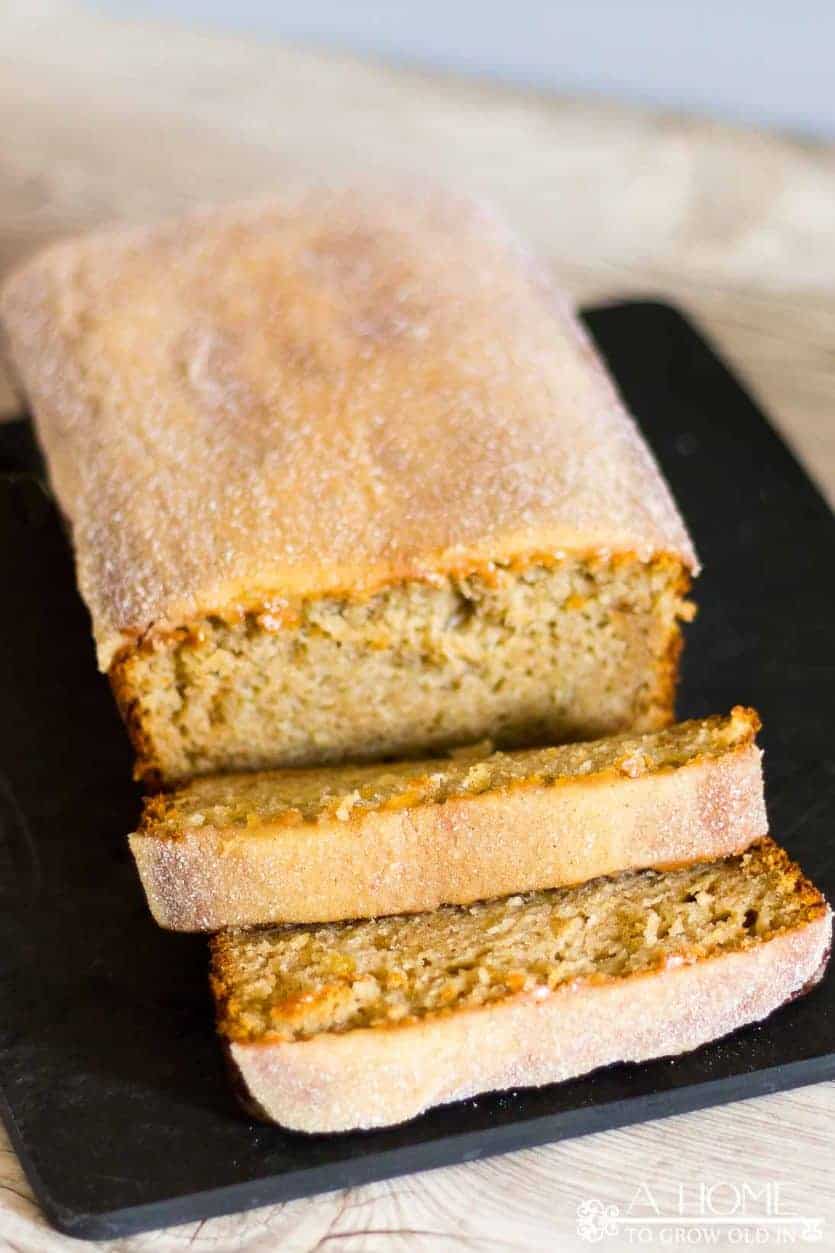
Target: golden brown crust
x=327, y=393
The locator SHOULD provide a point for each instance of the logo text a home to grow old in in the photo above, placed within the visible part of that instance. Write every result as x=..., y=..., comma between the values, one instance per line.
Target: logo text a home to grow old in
x=747, y=1215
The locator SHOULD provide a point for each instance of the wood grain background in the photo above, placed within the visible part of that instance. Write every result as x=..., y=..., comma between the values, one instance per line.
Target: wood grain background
x=103, y=121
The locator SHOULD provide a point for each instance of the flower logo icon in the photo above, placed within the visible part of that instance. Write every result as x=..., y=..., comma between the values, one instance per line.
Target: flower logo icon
x=595, y=1220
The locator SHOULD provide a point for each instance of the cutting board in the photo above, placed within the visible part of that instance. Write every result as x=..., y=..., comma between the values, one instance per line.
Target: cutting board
x=112, y=1080
x=105, y=120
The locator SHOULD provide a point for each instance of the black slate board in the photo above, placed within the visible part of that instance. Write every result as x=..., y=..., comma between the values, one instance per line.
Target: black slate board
x=113, y=1089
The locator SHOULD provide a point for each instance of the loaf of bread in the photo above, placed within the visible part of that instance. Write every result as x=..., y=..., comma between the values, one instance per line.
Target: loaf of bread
x=369, y=1023
x=341, y=842
x=346, y=480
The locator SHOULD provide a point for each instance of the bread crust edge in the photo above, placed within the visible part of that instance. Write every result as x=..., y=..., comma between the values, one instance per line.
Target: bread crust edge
x=457, y=851
x=370, y=1077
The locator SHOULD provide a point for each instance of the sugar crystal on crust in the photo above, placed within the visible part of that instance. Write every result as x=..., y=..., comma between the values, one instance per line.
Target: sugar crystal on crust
x=331, y=391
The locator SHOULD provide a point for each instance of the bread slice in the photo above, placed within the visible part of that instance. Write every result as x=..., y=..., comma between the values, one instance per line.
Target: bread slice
x=345, y=479
x=352, y=842
x=368, y=1023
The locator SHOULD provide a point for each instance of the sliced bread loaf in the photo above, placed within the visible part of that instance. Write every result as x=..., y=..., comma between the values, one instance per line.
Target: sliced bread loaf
x=368, y=1023
x=346, y=479
x=328, y=844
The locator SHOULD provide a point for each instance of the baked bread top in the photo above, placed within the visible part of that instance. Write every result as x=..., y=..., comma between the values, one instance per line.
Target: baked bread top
x=323, y=394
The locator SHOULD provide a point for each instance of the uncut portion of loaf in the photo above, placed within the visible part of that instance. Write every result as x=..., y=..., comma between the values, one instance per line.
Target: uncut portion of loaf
x=356, y=841
x=346, y=479
x=368, y=1023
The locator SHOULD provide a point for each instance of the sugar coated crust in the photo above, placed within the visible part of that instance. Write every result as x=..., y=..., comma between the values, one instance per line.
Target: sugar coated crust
x=375, y=1077
x=691, y=793
x=366, y=1024
x=327, y=393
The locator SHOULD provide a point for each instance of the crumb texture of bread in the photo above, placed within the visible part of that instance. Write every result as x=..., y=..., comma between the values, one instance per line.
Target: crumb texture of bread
x=293, y=983
x=355, y=468
x=293, y=797
x=556, y=651
x=332, y=843
x=368, y=1024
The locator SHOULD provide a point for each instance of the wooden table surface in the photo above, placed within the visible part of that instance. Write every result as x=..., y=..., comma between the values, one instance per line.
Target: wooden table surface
x=102, y=121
